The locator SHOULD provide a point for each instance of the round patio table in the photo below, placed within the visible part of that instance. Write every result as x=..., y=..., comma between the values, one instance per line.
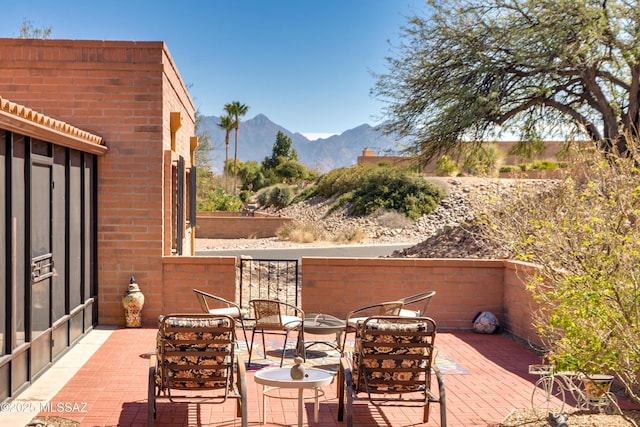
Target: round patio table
x=324, y=324
x=277, y=378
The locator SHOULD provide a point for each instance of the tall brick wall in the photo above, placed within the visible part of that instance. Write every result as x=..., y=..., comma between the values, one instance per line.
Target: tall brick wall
x=123, y=92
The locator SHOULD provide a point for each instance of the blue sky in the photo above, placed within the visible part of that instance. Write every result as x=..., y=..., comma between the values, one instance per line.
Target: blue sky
x=305, y=64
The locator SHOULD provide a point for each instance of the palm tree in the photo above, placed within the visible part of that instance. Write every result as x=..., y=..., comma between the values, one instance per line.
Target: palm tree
x=226, y=123
x=235, y=109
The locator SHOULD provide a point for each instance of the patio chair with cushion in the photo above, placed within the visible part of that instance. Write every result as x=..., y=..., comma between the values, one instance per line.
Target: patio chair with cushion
x=356, y=317
x=416, y=305
x=194, y=353
x=280, y=318
x=392, y=363
x=411, y=306
x=214, y=304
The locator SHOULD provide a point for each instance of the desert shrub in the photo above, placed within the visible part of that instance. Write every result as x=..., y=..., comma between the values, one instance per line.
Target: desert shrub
x=343, y=180
x=389, y=219
x=219, y=200
x=306, y=232
x=307, y=193
x=482, y=160
x=397, y=190
x=544, y=165
x=446, y=166
x=584, y=236
x=349, y=235
x=280, y=196
x=510, y=169
x=263, y=198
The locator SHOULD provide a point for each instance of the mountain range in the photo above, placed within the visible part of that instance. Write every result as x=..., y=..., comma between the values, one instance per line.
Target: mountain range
x=257, y=135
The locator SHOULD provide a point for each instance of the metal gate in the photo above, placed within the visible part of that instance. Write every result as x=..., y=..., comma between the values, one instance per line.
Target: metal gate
x=269, y=279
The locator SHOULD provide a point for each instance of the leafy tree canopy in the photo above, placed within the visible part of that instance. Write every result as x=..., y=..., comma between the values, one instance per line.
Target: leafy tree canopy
x=469, y=70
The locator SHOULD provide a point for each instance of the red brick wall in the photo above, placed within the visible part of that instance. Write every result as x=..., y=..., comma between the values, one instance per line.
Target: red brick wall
x=463, y=287
x=216, y=275
x=233, y=225
x=518, y=303
x=337, y=285
x=123, y=92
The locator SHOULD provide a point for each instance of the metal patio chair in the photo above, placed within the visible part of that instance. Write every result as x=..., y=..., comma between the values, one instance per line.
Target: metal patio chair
x=222, y=307
x=357, y=316
x=279, y=318
x=392, y=363
x=196, y=352
x=416, y=305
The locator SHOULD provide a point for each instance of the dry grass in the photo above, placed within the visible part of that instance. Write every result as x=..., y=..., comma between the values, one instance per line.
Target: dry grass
x=350, y=235
x=528, y=418
x=300, y=232
x=391, y=219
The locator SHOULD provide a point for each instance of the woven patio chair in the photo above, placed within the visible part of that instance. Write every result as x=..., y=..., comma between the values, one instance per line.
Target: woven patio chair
x=356, y=317
x=214, y=304
x=392, y=363
x=279, y=318
x=196, y=353
x=416, y=305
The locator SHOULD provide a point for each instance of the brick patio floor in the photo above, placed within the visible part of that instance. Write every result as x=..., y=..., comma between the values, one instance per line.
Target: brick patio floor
x=110, y=389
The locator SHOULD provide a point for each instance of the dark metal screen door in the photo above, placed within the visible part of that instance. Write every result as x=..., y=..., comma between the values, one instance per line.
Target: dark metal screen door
x=41, y=264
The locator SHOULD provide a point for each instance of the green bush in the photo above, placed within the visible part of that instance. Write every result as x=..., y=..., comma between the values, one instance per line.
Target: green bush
x=544, y=165
x=307, y=193
x=445, y=166
x=343, y=180
x=218, y=200
x=482, y=160
x=510, y=168
x=397, y=190
x=280, y=196
x=263, y=198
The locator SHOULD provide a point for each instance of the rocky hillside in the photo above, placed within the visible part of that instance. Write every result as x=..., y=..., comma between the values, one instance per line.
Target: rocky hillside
x=445, y=233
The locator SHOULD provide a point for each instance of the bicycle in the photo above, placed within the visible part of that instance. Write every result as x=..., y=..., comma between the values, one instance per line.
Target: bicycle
x=590, y=392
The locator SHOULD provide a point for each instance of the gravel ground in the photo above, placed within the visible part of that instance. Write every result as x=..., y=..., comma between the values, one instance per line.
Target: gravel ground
x=527, y=418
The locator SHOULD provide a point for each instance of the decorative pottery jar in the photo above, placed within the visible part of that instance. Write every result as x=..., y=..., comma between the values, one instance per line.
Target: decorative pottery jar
x=133, y=301
x=297, y=370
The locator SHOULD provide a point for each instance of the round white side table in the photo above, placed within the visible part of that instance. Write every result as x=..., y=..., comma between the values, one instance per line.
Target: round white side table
x=277, y=378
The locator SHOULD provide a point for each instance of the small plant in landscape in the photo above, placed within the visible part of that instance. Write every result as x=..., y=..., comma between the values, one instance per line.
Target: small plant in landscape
x=390, y=219
x=584, y=236
x=350, y=235
x=446, y=166
x=306, y=232
x=483, y=160
x=280, y=196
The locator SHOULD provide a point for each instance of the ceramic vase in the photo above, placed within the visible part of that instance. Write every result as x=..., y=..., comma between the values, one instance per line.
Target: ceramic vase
x=133, y=301
x=297, y=370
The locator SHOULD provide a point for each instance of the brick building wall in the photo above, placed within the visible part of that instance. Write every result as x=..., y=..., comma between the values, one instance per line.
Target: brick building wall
x=124, y=92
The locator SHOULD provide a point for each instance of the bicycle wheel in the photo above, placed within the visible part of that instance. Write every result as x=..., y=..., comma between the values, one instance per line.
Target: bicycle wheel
x=547, y=397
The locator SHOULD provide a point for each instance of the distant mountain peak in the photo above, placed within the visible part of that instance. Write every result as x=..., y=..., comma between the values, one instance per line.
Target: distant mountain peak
x=258, y=134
